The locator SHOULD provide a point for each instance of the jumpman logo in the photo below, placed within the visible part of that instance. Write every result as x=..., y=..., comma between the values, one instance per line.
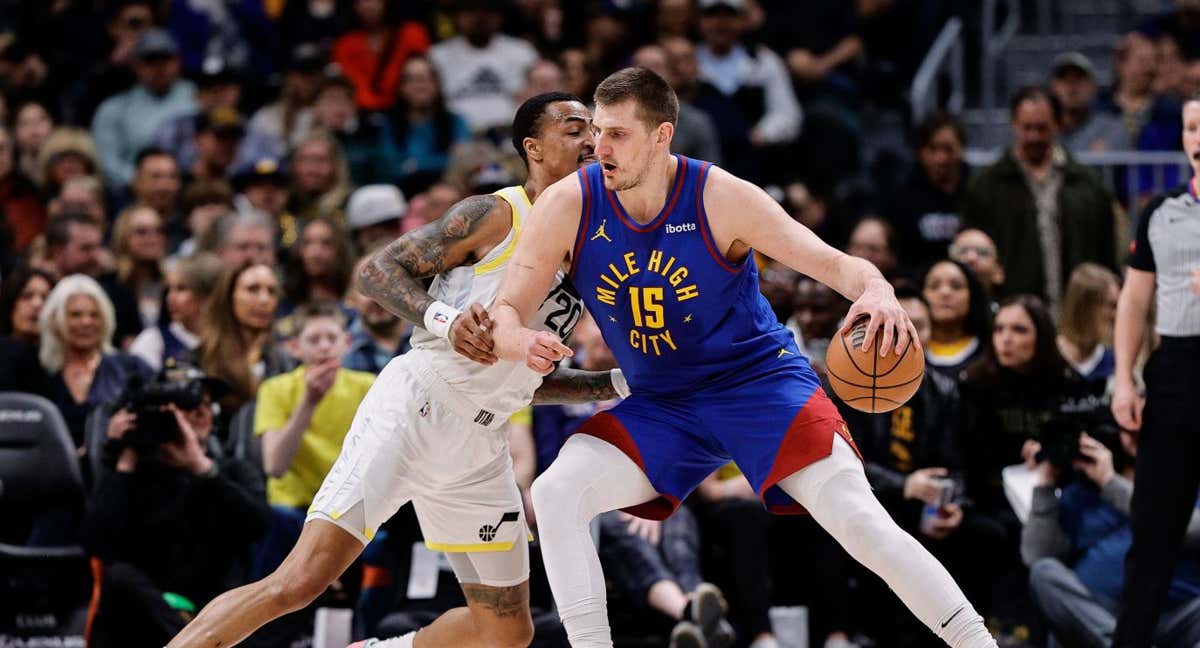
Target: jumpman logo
x=600, y=232
x=783, y=352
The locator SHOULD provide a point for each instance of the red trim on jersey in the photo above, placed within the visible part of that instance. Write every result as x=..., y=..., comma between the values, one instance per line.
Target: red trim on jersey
x=1193, y=188
x=581, y=235
x=680, y=174
x=809, y=439
x=606, y=427
x=705, y=232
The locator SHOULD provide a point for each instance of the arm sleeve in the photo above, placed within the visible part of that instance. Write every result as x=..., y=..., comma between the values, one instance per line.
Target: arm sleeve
x=781, y=122
x=272, y=408
x=1141, y=255
x=1043, y=536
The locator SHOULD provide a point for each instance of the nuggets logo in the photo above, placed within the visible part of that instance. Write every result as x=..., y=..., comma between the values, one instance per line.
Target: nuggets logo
x=648, y=305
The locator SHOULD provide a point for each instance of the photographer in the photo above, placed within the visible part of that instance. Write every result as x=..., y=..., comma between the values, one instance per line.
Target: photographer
x=171, y=521
x=1075, y=543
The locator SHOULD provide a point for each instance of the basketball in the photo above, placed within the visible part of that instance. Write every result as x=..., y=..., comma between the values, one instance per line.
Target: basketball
x=868, y=382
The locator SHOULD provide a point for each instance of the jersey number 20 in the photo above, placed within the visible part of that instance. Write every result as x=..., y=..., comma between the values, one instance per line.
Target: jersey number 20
x=563, y=320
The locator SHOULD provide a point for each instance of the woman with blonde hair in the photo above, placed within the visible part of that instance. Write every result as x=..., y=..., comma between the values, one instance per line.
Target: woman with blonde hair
x=1085, y=328
x=140, y=245
x=190, y=282
x=320, y=177
x=77, y=324
x=236, y=343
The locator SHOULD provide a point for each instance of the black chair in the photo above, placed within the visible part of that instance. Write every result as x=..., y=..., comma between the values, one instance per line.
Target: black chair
x=46, y=586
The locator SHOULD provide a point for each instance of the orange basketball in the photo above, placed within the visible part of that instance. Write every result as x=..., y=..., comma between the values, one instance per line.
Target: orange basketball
x=867, y=382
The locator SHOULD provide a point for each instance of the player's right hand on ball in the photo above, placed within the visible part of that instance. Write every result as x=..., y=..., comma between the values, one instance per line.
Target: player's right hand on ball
x=543, y=349
x=471, y=335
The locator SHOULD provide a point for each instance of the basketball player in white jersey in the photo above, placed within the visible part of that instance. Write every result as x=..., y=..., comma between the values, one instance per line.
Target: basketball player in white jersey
x=430, y=430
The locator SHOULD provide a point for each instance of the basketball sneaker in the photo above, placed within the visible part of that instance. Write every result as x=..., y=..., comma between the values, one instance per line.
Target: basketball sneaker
x=404, y=641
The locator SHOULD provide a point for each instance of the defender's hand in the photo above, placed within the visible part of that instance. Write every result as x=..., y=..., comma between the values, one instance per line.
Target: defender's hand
x=543, y=349
x=471, y=335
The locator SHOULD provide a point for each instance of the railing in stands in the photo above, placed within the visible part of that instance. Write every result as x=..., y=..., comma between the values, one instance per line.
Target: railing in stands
x=946, y=53
x=1152, y=166
x=993, y=45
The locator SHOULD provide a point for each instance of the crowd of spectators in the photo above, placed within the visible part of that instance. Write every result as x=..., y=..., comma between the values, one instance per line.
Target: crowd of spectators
x=187, y=188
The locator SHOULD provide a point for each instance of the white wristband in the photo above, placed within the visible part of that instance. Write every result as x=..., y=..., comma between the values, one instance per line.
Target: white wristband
x=619, y=384
x=438, y=318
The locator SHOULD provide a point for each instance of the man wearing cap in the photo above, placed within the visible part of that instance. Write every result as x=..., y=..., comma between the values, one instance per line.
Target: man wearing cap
x=1081, y=127
x=373, y=214
x=262, y=186
x=218, y=133
x=217, y=86
x=744, y=88
x=126, y=123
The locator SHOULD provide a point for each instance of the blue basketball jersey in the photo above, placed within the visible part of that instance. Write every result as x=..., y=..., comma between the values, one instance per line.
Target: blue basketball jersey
x=677, y=315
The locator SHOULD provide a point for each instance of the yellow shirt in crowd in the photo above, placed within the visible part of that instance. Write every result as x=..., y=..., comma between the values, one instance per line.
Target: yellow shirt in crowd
x=278, y=397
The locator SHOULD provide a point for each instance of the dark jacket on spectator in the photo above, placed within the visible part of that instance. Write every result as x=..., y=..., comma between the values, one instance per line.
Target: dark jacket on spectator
x=20, y=369
x=190, y=534
x=1000, y=203
x=129, y=318
x=922, y=433
x=926, y=218
x=112, y=374
x=1001, y=410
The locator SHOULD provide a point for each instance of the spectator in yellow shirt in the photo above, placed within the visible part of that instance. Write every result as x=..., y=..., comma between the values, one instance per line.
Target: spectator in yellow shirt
x=302, y=417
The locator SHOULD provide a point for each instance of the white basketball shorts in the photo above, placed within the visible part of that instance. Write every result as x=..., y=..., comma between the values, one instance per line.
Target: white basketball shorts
x=412, y=440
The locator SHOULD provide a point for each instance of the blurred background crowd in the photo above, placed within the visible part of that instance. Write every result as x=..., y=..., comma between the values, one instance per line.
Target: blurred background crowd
x=187, y=187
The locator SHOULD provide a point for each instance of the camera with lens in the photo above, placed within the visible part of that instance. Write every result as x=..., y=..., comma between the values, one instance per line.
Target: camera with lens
x=156, y=424
x=1060, y=441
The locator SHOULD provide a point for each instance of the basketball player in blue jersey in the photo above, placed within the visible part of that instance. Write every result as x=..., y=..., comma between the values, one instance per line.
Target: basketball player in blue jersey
x=661, y=248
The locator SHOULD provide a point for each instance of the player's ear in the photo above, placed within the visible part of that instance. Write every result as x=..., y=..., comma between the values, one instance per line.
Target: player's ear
x=533, y=148
x=665, y=131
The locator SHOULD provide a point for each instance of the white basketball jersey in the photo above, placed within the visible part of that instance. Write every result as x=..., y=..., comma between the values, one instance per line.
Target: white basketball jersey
x=507, y=386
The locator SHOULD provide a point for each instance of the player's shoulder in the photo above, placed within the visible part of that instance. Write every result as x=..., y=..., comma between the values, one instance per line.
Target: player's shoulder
x=724, y=188
x=476, y=210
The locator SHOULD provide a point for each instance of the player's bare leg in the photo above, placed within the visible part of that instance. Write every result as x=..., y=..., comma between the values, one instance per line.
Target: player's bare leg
x=322, y=553
x=836, y=492
x=495, y=617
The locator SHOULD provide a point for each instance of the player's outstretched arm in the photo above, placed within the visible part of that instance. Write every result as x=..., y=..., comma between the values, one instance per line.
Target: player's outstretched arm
x=566, y=385
x=464, y=234
x=545, y=243
x=740, y=212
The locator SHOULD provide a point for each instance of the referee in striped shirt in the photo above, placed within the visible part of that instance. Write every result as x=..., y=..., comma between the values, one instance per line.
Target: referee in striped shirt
x=1164, y=265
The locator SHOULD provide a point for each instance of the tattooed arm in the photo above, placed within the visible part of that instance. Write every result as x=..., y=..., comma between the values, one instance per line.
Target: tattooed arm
x=465, y=234
x=575, y=386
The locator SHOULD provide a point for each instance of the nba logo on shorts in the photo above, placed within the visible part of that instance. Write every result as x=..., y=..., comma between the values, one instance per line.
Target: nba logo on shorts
x=440, y=317
x=424, y=411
